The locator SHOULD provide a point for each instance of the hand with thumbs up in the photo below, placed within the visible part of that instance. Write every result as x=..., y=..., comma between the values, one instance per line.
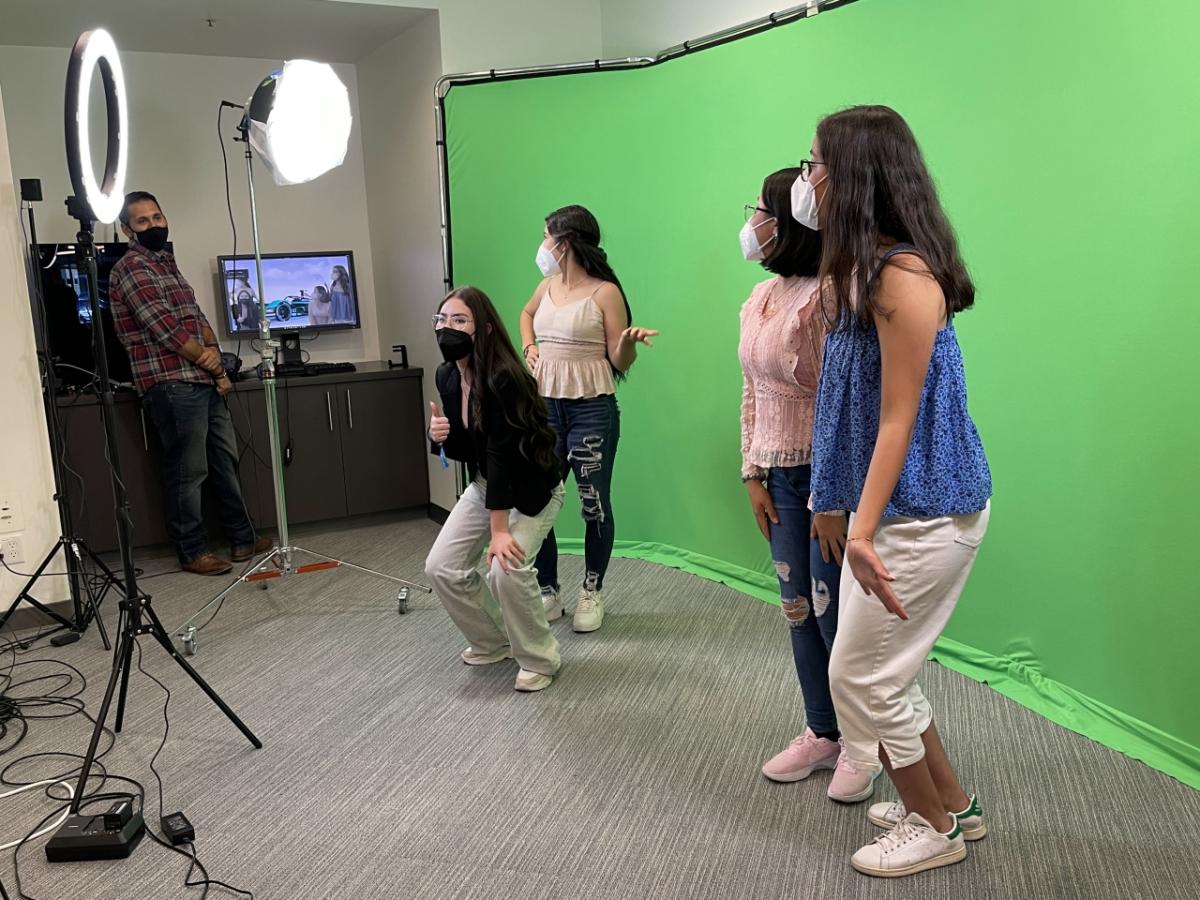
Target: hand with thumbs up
x=439, y=425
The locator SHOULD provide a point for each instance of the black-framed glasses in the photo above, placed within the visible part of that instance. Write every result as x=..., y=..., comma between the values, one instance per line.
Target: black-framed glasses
x=806, y=167
x=751, y=209
x=441, y=320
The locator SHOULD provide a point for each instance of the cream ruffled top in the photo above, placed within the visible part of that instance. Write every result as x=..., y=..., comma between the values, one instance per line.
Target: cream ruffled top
x=572, y=350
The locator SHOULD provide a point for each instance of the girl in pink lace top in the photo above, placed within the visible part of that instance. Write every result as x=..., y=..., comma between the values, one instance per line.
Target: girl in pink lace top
x=782, y=336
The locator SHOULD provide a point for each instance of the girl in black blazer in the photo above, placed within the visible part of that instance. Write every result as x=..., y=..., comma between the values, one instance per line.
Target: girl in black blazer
x=492, y=419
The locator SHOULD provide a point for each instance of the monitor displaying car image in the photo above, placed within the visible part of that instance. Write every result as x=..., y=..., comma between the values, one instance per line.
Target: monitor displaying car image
x=302, y=292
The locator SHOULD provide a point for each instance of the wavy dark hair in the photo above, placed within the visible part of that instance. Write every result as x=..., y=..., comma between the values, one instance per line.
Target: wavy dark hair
x=879, y=187
x=797, y=249
x=495, y=363
x=577, y=227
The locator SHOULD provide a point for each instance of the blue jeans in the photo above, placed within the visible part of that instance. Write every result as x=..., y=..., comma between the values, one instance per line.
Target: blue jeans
x=588, y=432
x=808, y=588
x=198, y=443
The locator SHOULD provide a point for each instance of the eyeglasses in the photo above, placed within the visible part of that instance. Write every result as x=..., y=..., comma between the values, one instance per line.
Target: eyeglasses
x=751, y=209
x=441, y=320
x=806, y=167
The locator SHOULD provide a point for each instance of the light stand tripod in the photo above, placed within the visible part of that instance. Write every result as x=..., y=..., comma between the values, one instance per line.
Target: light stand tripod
x=280, y=561
x=72, y=842
x=75, y=550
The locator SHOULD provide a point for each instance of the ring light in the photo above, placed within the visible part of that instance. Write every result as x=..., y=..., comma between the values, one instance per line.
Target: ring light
x=97, y=50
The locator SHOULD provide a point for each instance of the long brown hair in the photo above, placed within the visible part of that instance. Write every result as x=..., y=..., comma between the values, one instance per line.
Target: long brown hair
x=878, y=187
x=494, y=362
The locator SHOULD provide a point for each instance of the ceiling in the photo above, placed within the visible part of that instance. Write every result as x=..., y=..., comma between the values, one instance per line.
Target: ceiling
x=257, y=29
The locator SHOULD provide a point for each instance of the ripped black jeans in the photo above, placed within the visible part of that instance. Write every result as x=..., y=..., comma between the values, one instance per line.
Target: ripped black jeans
x=588, y=432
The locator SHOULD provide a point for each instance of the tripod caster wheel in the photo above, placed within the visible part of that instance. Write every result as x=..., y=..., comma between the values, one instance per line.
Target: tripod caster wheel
x=402, y=601
x=189, y=642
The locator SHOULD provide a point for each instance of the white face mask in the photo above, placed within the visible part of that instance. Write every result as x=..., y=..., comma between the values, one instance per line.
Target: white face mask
x=804, y=204
x=751, y=248
x=547, y=261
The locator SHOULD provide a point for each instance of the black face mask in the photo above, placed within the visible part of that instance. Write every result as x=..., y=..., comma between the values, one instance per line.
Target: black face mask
x=153, y=239
x=454, y=344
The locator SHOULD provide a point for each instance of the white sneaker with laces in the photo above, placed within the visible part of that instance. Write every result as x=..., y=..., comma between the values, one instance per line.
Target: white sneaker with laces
x=886, y=815
x=589, y=612
x=552, y=604
x=528, y=682
x=912, y=846
x=474, y=658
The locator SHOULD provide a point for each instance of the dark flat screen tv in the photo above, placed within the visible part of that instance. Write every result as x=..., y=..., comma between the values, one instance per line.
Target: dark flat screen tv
x=69, y=313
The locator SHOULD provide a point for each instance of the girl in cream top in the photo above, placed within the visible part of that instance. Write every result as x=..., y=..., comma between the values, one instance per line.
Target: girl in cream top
x=578, y=342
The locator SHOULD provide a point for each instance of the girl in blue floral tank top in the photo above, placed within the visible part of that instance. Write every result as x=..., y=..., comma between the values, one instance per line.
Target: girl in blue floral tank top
x=894, y=444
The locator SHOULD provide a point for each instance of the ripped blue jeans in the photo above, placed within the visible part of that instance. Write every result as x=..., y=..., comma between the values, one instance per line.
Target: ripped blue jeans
x=808, y=591
x=588, y=431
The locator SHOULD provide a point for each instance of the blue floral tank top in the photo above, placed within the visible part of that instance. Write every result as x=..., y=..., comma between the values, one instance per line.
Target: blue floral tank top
x=945, y=473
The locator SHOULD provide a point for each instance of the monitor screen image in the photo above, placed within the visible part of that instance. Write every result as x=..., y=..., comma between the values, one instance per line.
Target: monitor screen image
x=302, y=292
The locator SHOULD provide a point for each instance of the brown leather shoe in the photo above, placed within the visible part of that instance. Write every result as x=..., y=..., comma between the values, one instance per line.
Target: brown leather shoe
x=262, y=545
x=208, y=564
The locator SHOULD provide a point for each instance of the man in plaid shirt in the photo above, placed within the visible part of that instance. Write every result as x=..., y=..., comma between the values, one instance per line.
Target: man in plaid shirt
x=178, y=373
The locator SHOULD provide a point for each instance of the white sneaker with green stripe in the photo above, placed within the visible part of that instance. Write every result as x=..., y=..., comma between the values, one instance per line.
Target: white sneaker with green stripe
x=887, y=815
x=912, y=846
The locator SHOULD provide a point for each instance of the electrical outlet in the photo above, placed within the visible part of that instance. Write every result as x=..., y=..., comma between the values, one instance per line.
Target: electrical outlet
x=10, y=549
x=10, y=516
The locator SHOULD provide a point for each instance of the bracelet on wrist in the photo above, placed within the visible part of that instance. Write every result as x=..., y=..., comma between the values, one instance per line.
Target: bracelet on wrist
x=867, y=539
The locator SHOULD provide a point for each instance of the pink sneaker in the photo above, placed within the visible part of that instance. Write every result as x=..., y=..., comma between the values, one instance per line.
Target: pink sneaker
x=851, y=784
x=803, y=756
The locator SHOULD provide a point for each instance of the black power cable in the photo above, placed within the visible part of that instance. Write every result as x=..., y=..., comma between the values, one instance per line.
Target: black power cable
x=57, y=695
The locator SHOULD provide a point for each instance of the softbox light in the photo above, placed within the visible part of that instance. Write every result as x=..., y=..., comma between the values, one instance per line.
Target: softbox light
x=299, y=121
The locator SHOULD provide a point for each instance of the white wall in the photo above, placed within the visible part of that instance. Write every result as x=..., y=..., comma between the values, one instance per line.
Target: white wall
x=400, y=159
x=175, y=155
x=26, y=478
x=496, y=34
x=642, y=28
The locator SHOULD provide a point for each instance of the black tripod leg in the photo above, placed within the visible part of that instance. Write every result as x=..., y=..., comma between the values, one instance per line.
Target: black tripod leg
x=94, y=600
x=34, y=602
x=124, y=688
x=159, y=633
x=120, y=661
x=94, y=615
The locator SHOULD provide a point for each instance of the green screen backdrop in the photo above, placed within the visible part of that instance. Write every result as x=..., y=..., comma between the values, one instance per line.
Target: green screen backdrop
x=1064, y=140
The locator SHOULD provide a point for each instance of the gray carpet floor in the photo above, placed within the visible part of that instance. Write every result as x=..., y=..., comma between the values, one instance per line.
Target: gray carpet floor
x=391, y=770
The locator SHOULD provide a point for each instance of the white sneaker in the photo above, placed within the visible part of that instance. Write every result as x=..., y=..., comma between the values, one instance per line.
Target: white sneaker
x=589, y=612
x=886, y=815
x=552, y=604
x=528, y=682
x=912, y=846
x=473, y=658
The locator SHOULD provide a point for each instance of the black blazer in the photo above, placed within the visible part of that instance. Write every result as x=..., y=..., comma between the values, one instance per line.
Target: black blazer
x=493, y=451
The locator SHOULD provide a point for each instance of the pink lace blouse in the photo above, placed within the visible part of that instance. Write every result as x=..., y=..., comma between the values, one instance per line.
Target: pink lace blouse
x=782, y=336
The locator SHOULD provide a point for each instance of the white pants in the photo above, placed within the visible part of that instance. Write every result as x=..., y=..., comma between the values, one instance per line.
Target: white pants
x=510, y=614
x=876, y=655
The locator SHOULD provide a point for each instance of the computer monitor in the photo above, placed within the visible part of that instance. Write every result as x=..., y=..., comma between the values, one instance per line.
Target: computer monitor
x=304, y=292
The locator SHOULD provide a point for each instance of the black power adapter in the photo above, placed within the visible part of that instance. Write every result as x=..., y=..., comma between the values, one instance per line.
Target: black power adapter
x=178, y=829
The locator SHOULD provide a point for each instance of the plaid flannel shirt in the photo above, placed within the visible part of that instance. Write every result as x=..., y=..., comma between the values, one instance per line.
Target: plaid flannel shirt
x=155, y=314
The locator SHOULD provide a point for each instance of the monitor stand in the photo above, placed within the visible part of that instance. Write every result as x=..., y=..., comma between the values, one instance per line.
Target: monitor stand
x=289, y=348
